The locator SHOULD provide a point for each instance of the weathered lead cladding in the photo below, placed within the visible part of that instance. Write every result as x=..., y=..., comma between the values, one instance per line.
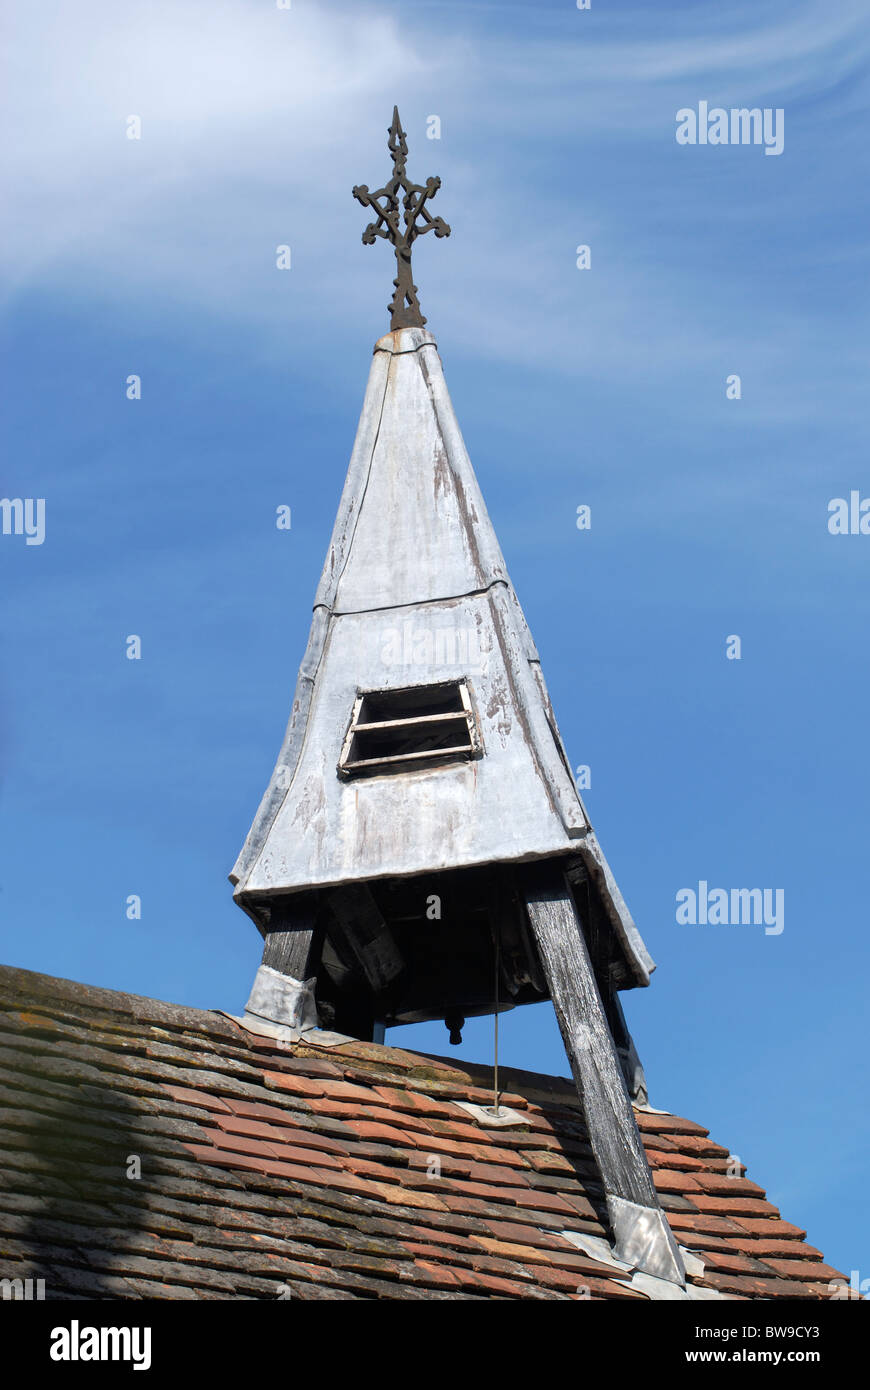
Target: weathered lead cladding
x=415, y=591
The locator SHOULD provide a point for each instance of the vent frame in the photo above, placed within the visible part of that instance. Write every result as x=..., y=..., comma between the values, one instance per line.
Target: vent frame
x=410, y=710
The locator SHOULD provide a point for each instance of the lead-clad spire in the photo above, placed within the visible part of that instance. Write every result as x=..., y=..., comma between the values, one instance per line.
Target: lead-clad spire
x=422, y=851
x=404, y=306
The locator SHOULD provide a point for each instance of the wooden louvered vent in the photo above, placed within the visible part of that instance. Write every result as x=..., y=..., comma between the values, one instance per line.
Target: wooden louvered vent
x=394, y=730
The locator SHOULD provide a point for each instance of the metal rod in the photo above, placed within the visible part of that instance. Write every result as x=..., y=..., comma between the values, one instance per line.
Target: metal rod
x=495, y=1108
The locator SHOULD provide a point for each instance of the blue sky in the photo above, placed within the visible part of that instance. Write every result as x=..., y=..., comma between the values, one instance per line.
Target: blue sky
x=606, y=387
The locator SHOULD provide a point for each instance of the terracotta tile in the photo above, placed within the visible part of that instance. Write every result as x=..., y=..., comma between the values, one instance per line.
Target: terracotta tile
x=477, y=1153
x=259, y=1110
x=490, y=1173
x=536, y=1200
x=814, y=1270
x=498, y=1264
x=706, y=1224
x=238, y=1143
x=667, y=1124
x=461, y=1187
x=445, y=1148
x=413, y=1124
x=566, y=1258
x=203, y=1153
x=298, y=1084
x=493, y=1283
x=314, y=1066
x=563, y=1279
x=283, y=1134
x=465, y=1130
x=666, y=1180
x=515, y=1233
x=385, y=1172
x=509, y=1250
x=537, y=1140
x=250, y=1129
x=327, y=1155
x=719, y=1184
x=424, y=1249
x=610, y=1289
x=368, y=1130
x=321, y=1177
x=675, y=1162
x=397, y=1195
x=772, y=1227
x=737, y=1206
x=414, y=1101
x=582, y=1207
x=186, y=1096
x=824, y=1291
x=784, y=1248
x=548, y=1161
x=465, y=1277
x=465, y=1205
x=420, y=1161
x=450, y=1240
x=698, y=1144
x=346, y=1090
x=291, y=1153
x=725, y=1262
x=437, y=1274
x=756, y=1288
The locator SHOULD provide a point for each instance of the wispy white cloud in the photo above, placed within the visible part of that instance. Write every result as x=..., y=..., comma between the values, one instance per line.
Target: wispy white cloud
x=232, y=97
x=748, y=48
x=257, y=121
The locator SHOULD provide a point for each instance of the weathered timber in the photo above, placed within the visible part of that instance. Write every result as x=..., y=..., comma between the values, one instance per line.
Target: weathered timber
x=294, y=941
x=415, y=574
x=631, y=1197
x=369, y=939
x=626, y=1051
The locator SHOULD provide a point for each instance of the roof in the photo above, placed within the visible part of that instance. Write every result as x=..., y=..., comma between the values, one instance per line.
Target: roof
x=415, y=592
x=304, y=1171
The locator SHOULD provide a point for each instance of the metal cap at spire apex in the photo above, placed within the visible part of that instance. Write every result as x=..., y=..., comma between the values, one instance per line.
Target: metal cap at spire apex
x=404, y=307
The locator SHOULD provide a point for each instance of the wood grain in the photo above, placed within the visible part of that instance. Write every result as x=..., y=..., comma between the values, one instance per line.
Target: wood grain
x=613, y=1131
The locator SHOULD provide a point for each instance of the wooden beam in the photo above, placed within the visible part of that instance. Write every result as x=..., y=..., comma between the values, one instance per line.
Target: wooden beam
x=642, y=1235
x=294, y=941
x=632, y=1068
x=358, y=920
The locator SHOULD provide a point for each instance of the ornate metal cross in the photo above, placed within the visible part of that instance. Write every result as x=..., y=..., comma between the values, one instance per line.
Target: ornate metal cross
x=405, y=306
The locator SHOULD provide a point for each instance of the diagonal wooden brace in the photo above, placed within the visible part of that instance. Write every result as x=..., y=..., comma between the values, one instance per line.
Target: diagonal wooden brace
x=642, y=1236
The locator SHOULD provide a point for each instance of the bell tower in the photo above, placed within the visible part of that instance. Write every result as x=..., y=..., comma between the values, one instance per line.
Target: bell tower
x=421, y=851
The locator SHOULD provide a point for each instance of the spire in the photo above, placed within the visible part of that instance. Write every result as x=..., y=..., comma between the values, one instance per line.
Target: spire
x=422, y=828
x=404, y=307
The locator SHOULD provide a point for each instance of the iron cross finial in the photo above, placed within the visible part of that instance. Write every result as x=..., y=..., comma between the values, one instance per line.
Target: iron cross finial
x=405, y=306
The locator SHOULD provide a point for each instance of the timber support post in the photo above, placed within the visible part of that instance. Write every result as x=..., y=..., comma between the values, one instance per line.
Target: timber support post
x=284, y=985
x=642, y=1237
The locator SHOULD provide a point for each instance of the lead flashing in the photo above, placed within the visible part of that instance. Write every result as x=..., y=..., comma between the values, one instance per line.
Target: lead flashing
x=505, y=1119
x=643, y=1239
x=263, y=1028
